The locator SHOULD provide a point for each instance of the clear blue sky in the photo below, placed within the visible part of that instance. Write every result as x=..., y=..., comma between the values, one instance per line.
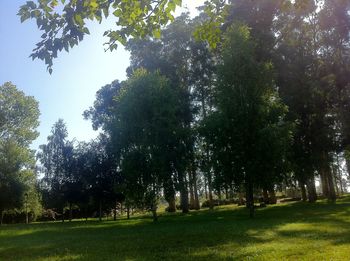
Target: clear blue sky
x=76, y=77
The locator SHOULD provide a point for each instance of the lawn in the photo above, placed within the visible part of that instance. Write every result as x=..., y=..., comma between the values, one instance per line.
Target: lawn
x=289, y=231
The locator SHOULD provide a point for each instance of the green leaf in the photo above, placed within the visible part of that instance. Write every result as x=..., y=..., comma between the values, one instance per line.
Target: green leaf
x=156, y=33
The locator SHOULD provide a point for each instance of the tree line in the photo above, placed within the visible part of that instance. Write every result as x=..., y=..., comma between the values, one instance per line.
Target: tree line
x=247, y=97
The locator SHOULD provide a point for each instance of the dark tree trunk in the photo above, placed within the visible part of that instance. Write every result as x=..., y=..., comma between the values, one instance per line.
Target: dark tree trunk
x=115, y=211
x=62, y=214
x=226, y=193
x=303, y=191
x=272, y=194
x=183, y=193
x=219, y=194
x=169, y=194
x=311, y=190
x=172, y=205
x=1, y=216
x=191, y=190
x=250, y=198
x=195, y=191
x=154, y=213
x=70, y=212
x=128, y=212
x=265, y=196
x=324, y=182
x=328, y=177
x=211, y=203
x=100, y=210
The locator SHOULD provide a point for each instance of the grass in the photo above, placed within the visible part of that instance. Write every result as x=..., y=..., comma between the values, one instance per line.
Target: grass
x=290, y=231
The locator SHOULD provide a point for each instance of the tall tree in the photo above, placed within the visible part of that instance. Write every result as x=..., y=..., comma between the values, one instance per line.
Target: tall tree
x=249, y=112
x=56, y=158
x=18, y=122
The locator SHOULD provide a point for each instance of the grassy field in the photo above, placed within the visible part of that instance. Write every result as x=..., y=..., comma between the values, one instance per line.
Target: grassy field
x=290, y=231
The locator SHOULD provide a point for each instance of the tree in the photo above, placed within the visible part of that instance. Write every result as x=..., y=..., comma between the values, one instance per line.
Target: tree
x=63, y=23
x=146, y=128
x=56, y=158
x=250, y=117
x=18, y=122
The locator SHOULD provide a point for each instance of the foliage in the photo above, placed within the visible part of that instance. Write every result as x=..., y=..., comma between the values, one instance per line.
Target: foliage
x=19, y=120
x=63, y=23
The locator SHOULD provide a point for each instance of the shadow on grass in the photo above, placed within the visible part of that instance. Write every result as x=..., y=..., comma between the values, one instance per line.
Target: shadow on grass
x=223, y=234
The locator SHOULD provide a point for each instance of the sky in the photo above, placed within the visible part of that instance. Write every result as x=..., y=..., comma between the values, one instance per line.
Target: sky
x=76, y=77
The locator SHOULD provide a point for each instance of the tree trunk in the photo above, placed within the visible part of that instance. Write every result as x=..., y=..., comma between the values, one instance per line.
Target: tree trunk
x=1, y=216
x=272, y=194
x=100, y=210
x=172, y=205
x=183, y=193
x=62, y=214
x=115, y=211
x=154, y=213
x=265, y=196
x=206, y=188
x=324, y=182
x=219, y=194
x=311, y=189
x=303, y=191
x=250, y=198
x=329, y=177
x=226, y=193
x=195, y=191
x=191, y=190
x=70, y=212
x=128, y=212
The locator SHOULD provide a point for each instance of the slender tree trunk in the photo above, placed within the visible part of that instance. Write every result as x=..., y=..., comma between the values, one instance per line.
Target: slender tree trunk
x=303, y=191
x=70, y=212
x=195, y=190
x=206, y=188
x=272, y=194
x=183, y=192
x=169, y=194
x=324, y=182
x=226, y=193
x=265, y=196
x=154, y=213
x=1, y=216
x=329, y=177
x=62, y=214
x=128, y=212
x=311, y=189
x=115, y=211
x=100, y=210
x=250, y=198
x=191, y=190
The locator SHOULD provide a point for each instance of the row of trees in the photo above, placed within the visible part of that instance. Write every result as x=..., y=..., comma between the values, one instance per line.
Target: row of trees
x=268, y=106
x=244, y=98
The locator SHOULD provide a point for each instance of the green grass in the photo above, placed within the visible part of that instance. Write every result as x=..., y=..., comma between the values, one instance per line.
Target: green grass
x=291, y=231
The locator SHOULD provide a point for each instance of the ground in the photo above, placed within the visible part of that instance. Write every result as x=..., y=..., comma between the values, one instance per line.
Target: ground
x=288, y=231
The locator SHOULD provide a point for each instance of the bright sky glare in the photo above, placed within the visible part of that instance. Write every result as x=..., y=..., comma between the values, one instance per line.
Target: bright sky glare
x=77, y=75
